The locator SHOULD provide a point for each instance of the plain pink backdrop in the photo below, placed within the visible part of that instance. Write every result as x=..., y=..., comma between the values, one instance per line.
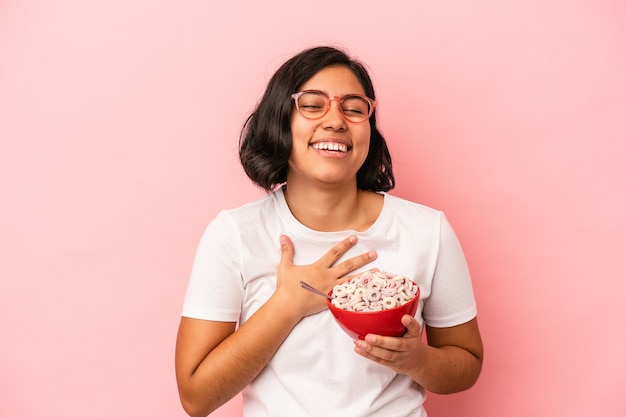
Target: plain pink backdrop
x=119, y=124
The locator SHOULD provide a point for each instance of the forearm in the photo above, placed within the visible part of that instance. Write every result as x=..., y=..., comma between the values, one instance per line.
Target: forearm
x=237, y=360
x=447, y=369
x=450, y=362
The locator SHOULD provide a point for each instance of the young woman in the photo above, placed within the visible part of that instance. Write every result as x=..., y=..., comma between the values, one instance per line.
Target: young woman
x=313, y=144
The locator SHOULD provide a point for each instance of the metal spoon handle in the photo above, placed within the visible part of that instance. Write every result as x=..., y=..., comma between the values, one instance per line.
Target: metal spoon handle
x=313, y=289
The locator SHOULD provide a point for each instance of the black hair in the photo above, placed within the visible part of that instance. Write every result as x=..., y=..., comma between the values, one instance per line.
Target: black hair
x=265, y=140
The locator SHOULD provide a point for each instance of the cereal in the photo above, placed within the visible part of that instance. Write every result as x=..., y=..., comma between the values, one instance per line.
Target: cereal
x=373, y=291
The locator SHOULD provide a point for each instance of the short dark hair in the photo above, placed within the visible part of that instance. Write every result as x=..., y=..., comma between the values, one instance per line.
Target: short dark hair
x=265, y=140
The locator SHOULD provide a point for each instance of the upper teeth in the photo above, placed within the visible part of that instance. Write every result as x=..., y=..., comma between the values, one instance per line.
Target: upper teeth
x=331, y=146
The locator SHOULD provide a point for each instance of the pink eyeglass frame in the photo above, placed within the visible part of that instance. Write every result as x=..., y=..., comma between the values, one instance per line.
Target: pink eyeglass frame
x=371, y=102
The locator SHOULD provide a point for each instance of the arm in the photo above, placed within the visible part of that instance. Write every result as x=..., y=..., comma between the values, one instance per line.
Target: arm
x=450, y=362
x=214, y=361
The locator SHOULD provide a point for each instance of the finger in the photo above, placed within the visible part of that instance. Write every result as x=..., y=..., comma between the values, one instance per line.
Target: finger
x=351, y=264
x=286, y=250
x=413, y=328
x=362, y=350
x=382, y=346
x=337, y=251
x=376, y=347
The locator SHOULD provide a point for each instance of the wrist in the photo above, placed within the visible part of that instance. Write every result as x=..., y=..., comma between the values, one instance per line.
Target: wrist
x=284, y=307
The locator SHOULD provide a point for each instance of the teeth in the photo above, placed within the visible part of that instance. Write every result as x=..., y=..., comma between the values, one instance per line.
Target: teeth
x=331, y=146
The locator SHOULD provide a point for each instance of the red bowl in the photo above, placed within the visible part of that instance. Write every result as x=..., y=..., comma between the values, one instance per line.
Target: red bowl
x=385, y=322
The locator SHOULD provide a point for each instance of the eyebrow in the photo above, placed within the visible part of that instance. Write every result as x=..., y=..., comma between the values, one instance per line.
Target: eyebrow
x=328, y=94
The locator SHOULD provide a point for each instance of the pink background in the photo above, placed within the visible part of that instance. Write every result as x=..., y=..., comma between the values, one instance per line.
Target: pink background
x=119, y=123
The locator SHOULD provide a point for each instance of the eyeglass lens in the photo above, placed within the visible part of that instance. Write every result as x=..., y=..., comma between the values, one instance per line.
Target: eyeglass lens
x=314, y=105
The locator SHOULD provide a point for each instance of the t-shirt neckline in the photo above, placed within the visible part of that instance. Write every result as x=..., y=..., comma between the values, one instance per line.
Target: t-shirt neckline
x=297, y=228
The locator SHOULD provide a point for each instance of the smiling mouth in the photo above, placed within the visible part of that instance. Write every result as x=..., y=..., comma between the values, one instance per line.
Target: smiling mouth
x=328, y=146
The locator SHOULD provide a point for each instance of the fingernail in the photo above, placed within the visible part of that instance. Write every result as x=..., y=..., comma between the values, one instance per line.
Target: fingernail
x=372, y=255
x=352, y=239
x=283, y=239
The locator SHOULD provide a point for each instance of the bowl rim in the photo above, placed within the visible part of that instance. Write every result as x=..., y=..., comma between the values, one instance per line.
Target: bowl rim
x=333, y=307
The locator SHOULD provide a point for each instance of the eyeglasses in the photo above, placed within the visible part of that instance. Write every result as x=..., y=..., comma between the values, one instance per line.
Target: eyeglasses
x=314, y=104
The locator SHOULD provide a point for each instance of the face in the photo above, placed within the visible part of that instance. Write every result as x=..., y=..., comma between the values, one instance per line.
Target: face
x=330, y=150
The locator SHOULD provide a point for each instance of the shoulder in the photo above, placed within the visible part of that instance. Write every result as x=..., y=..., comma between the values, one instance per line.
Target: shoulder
x=255, y=206
x=232, y=226
x=246, y=216
x=402, y=206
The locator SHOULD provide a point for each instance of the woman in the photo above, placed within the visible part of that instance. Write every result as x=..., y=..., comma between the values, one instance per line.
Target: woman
x=313, y=144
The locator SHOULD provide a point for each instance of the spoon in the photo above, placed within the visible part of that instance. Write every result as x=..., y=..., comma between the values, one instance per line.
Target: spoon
x=313, y=290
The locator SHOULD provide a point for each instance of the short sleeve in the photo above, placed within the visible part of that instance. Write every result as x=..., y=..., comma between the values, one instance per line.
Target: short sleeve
x=215, y=289
x=451, y=301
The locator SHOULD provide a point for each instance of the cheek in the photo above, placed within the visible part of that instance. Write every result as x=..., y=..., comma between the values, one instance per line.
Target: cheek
x=297, y=129
x=365, y=144
x=301, y=133
x=365, y=136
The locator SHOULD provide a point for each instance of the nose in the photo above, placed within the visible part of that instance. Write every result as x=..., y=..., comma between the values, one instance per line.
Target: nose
x=334, y=118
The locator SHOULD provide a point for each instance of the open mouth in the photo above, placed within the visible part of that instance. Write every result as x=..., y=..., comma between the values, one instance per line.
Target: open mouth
x=331, y=146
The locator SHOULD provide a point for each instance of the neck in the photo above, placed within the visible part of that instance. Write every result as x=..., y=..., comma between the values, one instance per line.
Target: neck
x=333, y=209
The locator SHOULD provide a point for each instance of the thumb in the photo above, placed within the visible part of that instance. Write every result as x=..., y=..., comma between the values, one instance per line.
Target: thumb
x=286, y=250
x=413, y=328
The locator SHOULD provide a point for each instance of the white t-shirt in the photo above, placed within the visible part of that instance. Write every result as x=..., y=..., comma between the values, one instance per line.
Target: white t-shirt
x=316, y=372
